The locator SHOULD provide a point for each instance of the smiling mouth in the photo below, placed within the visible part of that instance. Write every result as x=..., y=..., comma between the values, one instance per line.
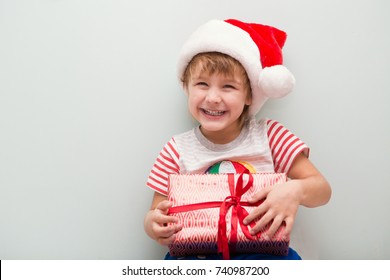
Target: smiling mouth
x=213, y=113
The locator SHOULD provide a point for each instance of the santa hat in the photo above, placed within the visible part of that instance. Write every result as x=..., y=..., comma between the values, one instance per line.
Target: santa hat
x=257, y=47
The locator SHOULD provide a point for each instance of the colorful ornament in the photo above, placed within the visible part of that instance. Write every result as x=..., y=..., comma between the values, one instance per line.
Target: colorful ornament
x=229, y=166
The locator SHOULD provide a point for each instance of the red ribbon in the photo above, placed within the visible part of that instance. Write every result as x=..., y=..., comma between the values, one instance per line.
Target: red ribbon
x=238, y=212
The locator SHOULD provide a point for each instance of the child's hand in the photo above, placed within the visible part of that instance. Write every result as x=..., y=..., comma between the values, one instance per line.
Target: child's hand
x=159, y=226
x=307, y=187
x=280, y=205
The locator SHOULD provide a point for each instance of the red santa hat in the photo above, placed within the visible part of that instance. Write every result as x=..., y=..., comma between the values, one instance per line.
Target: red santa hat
x=257, y=47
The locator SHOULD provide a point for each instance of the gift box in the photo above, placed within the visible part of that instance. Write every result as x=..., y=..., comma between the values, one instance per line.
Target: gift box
x=211, y=209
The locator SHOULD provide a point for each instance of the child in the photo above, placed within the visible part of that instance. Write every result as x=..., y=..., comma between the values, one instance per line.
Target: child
x=228, y=70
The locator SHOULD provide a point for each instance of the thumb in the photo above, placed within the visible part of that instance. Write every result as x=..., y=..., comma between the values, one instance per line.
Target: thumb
x=163, y=206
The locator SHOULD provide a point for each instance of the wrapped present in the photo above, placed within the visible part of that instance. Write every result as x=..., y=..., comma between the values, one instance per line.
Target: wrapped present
x=211, y=209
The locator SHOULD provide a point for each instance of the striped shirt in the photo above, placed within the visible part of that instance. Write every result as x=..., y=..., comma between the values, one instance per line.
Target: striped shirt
x=264, y=144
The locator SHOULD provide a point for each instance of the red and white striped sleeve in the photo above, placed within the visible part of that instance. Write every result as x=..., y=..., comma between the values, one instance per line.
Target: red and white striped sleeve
x=166, y=163
x=284, y=145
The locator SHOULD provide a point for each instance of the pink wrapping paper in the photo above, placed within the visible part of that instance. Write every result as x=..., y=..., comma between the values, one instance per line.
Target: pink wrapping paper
x=202, y=226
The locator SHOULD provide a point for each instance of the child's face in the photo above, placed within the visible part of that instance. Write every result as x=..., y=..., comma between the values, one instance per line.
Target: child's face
x=217, y=101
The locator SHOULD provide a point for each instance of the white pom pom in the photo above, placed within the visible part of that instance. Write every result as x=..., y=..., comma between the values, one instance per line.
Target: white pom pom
x=276, y=81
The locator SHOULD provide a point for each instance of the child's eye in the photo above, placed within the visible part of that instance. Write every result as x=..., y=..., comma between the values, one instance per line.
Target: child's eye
x=229, y=86
x=202, y=84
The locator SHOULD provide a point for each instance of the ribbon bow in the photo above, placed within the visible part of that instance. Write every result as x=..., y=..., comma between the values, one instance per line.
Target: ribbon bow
x=238, y=214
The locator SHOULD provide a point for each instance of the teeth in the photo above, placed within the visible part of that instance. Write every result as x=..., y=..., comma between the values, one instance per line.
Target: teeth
x=213, y=113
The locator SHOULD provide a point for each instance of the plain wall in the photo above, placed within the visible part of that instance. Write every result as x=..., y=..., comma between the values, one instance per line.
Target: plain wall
x=89, y=96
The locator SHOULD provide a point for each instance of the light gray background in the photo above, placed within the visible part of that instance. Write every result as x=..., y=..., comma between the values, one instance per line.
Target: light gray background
x=88, y=97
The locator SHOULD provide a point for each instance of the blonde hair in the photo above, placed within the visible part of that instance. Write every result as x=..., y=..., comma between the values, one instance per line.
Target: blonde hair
x=217, y=63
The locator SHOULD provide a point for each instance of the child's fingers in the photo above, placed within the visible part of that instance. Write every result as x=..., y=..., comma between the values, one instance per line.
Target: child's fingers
x=163, y=206
x=165, y=235
x=166, y=231
x=256, y=213
x=276, y=223
x=166, y=226
x=288, y=228
x=262, y=194
x=165, y=219
x=161, y=212
x=166, y=240
x=267, y=218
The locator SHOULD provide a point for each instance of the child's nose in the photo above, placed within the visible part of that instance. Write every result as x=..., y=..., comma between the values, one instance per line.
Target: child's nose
x=213, y=96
